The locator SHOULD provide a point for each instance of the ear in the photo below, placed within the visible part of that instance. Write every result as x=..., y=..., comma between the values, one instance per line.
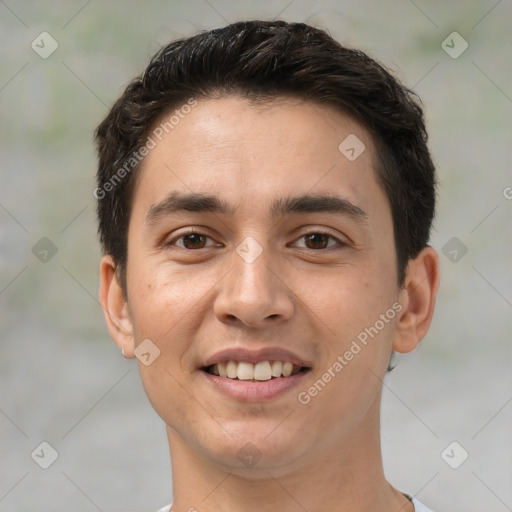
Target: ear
x=418, y=299
x=115, y=307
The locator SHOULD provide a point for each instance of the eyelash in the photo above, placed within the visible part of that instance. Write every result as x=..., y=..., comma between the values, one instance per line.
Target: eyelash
x=315, y=232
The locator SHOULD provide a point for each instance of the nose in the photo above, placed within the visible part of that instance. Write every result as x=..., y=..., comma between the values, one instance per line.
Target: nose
x=253, y=293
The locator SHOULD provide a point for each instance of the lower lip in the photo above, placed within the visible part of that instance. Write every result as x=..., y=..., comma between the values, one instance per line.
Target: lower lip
x=254, y=391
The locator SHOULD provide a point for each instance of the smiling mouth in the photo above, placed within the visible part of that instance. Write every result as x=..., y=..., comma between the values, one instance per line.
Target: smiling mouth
x=261, y=371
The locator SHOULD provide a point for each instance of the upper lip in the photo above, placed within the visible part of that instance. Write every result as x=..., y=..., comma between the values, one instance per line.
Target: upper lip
x=255, y=356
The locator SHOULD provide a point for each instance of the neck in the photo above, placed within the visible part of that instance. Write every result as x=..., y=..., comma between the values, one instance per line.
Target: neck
x=340, y=477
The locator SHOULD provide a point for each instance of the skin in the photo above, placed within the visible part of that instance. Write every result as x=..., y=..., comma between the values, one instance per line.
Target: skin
x=311, y=299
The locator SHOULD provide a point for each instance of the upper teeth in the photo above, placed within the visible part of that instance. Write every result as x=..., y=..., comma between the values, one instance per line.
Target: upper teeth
x=264, y=370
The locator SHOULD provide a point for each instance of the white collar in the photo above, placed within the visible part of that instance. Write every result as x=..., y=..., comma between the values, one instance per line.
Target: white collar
x=418, y=506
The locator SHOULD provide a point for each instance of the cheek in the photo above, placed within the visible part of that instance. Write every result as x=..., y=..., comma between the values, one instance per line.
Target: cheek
x=166, y=309
x=354, y=318
x=161, y=298
x=349, y=299
x=355, y=347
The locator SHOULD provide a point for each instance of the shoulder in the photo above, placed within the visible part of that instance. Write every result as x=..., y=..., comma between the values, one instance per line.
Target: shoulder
x=418, y=506
x=167, y=508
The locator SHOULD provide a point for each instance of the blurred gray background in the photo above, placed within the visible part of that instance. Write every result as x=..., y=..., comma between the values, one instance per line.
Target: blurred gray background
x=63, y=381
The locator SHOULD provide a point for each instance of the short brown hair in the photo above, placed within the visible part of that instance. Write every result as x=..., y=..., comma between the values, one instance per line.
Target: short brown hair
x=261, y=61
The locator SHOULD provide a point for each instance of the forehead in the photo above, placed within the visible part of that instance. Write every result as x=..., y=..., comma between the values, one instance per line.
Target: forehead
x=237, y=150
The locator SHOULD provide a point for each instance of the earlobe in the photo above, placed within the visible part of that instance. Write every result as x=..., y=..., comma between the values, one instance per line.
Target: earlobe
x=115, y=307
x=418, y=298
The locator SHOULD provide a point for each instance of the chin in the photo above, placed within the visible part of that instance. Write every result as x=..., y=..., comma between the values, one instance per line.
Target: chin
x=251, y=452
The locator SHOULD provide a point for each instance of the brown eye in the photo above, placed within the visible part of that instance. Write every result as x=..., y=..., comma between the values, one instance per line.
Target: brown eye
x=194, y=241
x=191, y=241
x=316, y=240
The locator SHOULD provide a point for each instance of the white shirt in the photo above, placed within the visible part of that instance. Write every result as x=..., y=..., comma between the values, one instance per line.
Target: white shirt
x=418, y=507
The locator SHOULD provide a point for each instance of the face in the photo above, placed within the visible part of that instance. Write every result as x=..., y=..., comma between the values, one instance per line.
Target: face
x=254, y=239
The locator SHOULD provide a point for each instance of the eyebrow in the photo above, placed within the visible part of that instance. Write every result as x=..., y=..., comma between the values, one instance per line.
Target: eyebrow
x=280, y=207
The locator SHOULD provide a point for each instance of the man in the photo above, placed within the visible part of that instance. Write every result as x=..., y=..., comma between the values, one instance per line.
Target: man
x=265, y=198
